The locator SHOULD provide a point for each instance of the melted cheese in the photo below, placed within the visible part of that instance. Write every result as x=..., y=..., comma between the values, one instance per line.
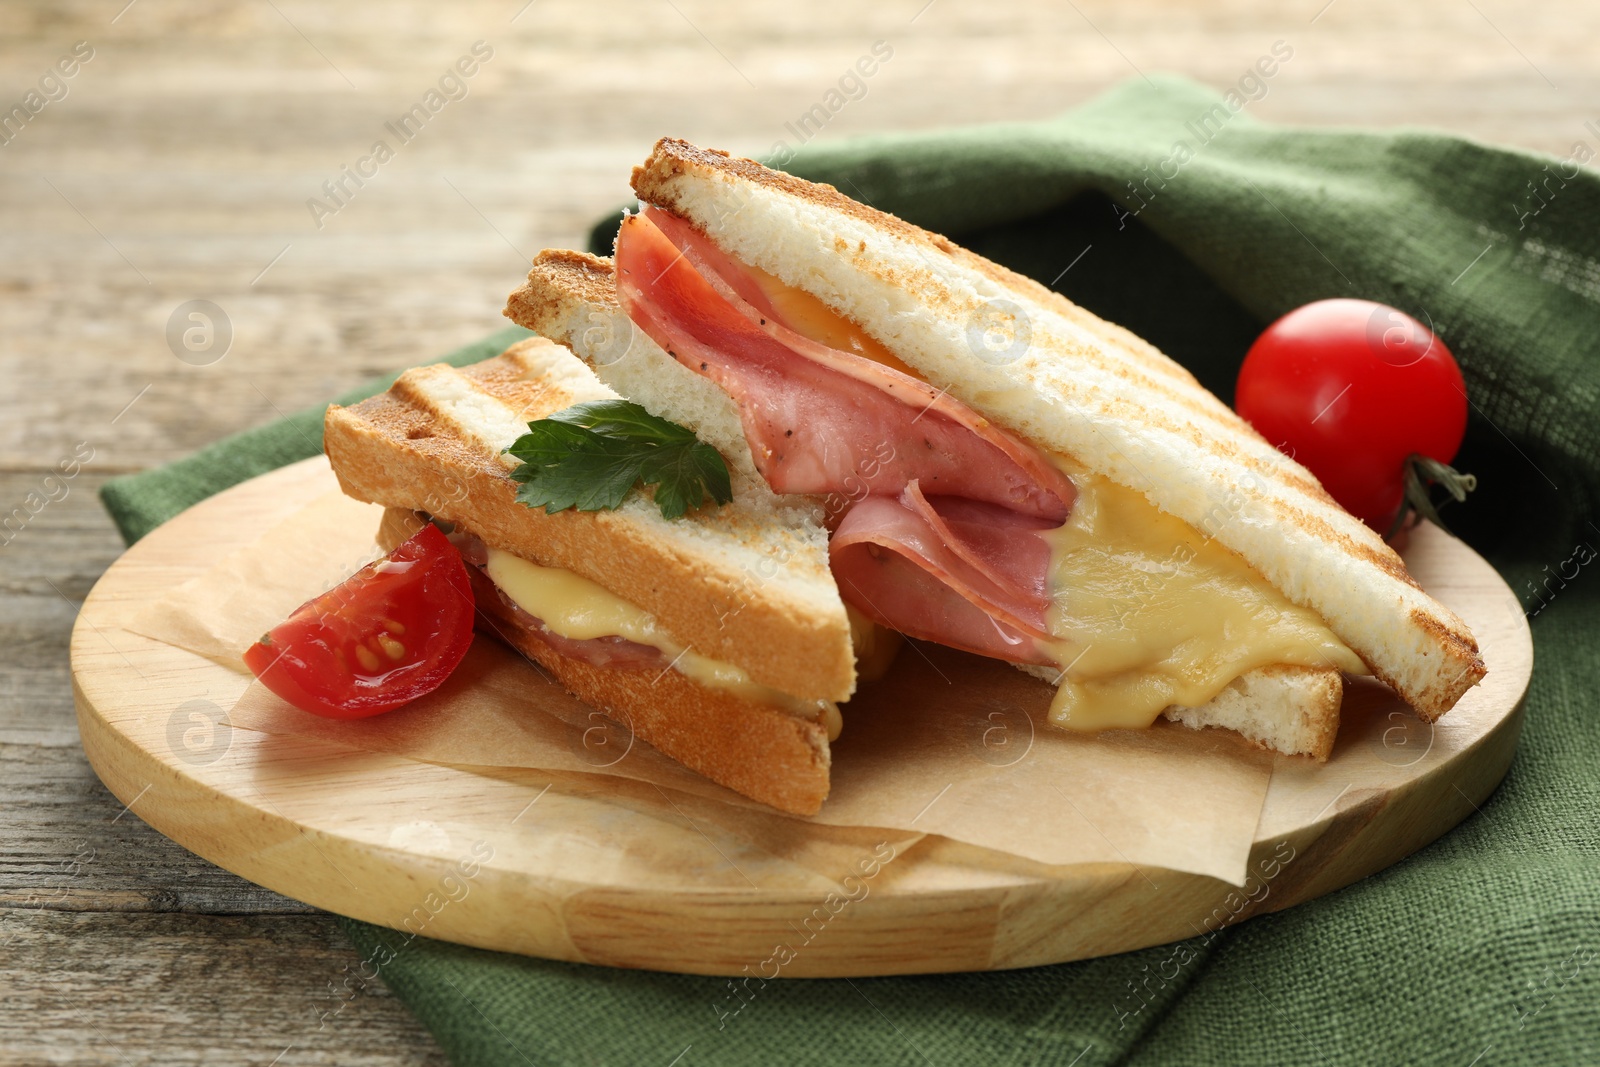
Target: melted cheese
x=810, y=317
x=875, y=646
x=1151, y=613
x=576, y=608
x=1146, y=611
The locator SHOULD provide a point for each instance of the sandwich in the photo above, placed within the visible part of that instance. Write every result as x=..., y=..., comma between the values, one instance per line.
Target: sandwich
x=974, y=461
x=718, y=637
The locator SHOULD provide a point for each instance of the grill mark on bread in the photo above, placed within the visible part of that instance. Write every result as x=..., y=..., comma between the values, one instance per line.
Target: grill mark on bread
x=1123, y=409
x=1050, y=351
x=1385, y=559
x=793, y=645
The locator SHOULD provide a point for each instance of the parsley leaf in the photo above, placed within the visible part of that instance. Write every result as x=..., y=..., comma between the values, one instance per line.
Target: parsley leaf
x=590, y=456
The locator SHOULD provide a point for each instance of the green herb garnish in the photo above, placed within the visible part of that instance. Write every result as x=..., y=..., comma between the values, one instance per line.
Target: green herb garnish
x=590, y=455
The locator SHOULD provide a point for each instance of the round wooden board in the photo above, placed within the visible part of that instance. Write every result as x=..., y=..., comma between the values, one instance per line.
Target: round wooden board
x=445, y=852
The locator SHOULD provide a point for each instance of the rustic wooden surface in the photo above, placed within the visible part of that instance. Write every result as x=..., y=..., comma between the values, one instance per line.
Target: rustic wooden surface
x=632, y=885
x=177, y=167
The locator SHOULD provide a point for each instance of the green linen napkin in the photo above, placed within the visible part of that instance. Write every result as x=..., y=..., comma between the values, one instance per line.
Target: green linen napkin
x=1479, y=949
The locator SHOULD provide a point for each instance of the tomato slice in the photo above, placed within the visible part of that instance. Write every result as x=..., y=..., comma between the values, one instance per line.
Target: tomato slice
x=390, y=633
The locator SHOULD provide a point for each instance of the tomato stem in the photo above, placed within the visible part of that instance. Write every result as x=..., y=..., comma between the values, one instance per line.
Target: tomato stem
x=1422, y=474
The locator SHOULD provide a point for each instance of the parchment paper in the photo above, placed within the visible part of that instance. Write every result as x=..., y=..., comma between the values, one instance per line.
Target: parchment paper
x=946, y=744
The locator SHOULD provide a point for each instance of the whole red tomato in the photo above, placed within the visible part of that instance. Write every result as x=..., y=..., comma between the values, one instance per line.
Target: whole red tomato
x=1360, y=393
x=392, y=632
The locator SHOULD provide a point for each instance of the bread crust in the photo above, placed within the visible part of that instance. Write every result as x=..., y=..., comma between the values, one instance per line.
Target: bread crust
x=560, y=280
x=1096, y=385
x=394, y=451
x=1307, y=701
x=757, y=751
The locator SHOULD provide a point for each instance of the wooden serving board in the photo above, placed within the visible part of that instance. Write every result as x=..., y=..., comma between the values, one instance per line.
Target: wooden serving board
x=598, y=876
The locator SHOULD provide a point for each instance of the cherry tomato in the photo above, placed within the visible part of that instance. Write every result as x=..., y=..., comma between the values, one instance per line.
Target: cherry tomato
x=390, y=633
x=1355, y=390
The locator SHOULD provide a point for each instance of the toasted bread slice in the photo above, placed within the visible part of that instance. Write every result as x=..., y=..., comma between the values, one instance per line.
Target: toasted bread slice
x=746, y=583
x=1294, y=710
x=1082, y=387
x=571, y=296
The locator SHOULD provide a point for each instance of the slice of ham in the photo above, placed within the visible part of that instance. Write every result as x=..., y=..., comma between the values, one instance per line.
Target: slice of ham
x=938, y=510
x=819, y=420
x=992, y=545
x=959, y=572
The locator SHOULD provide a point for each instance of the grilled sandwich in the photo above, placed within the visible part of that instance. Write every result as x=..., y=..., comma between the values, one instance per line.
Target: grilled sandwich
x=719, y=637
x=997, y=469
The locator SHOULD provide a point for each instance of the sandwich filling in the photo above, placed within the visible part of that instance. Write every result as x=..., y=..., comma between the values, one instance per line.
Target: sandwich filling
x=949, y=528
x=582, y=619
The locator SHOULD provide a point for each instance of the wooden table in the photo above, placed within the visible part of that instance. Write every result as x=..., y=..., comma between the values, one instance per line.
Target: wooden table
x=177, y=167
